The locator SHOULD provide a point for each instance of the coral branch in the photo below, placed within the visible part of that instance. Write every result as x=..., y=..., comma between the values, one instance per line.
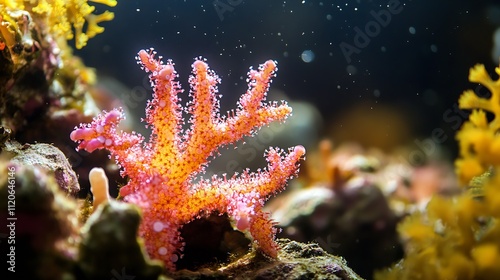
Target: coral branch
x=163, y=113
x=479, y=140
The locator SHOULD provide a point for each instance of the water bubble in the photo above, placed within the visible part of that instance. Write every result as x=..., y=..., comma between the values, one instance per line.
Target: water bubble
x=434, y=48
x=307, y=56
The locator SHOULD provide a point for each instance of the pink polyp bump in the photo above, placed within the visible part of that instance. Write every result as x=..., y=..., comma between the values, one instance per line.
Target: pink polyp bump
x=147, y=60
x=167, y=71
x=270, y=64
x=113, y=116
x=93, y=145
x=108, y=142
x=200, y=65
x=81, y=133
x=243, y=223
x=241, y=216
x=143, y=56
x=74, y=135
x=300, y=150
x=125, y=190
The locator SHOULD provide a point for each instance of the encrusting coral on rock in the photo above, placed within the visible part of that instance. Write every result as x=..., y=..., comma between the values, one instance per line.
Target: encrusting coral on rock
x=162, y=172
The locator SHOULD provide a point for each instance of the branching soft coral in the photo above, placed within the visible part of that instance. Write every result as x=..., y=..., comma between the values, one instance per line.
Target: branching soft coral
x=162, y=171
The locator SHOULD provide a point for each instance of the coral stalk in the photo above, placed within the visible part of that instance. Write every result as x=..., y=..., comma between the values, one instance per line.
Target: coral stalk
x=99, y=186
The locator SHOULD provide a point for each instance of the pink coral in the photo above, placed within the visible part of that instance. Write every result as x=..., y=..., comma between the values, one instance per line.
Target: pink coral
x=162, y=170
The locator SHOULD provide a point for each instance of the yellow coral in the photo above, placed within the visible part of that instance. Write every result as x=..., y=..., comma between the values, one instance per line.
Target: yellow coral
x=61, y=17
x=478, y=118
x=486, y=256
x=459, y=238
x=7, y=29
x=469, y=99
x=478, y=139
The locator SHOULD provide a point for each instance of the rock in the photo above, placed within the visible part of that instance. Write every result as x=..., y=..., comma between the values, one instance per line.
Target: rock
x=110, y=247
x=354, y=222
x=46, y=157
x=295, y=261
x=43, y=221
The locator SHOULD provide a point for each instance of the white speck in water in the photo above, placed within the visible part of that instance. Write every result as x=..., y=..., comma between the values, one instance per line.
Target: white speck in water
x=351, y=69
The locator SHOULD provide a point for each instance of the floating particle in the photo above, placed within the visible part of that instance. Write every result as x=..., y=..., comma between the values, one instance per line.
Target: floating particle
x=307, y=56
x=351, y=69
